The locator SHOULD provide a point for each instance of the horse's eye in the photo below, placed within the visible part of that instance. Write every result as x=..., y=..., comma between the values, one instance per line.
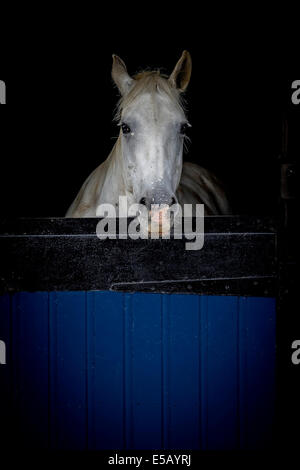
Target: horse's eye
x=125, y=129
x=184, y=127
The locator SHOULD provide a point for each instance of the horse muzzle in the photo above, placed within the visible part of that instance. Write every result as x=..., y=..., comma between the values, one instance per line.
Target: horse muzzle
x=160, y=217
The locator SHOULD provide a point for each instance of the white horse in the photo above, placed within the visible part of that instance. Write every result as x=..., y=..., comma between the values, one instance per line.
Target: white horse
x=146, y=162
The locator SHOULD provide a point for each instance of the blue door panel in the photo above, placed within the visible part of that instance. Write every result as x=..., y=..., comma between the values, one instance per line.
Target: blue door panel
x=107, y=370
x=181, y=327
x=29, y=368
x=220, y=352
x=67, y=369
x=257, y=358
x=143, y=371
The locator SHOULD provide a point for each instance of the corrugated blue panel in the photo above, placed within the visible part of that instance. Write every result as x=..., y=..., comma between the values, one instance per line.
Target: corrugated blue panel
x=219, y=351
x=67, y=342
x=143, y=371
x=257, y=331
x=30, y=369
x=181, y=354
x=105, y=370
x=105, y=341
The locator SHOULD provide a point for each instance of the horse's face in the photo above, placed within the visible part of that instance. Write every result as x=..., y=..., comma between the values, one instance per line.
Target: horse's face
x=152, y=131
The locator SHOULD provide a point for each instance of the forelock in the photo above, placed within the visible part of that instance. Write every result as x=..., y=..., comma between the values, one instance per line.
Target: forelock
x=151, y=82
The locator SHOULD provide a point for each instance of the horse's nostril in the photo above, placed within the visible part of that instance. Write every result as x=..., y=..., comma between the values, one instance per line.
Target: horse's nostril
x=173, y=201
x=143, y=201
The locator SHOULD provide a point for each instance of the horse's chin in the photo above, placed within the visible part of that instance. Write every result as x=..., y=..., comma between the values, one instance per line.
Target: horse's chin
x=159, y=223
x=158, y=233
x=159, y=229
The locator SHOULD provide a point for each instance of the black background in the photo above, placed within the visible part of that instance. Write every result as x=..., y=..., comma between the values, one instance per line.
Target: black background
x=59, y=123
x=57, y=127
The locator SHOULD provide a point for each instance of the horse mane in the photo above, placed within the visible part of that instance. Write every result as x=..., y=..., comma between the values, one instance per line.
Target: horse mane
x=150, y=81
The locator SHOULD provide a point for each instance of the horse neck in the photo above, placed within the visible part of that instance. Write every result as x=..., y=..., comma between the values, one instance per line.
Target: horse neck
x=116, y=172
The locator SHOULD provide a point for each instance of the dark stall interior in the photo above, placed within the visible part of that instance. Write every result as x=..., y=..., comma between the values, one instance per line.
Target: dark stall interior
x=60, y=124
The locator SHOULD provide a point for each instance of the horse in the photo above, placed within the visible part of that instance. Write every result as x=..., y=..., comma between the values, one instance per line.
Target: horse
x=146, y=163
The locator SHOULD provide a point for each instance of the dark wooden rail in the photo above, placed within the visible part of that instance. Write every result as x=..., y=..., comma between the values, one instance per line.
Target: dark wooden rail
x=239, y=257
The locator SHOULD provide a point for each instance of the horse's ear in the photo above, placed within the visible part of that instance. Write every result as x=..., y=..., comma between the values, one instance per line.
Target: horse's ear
x=181, y=74
x=120, y=75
